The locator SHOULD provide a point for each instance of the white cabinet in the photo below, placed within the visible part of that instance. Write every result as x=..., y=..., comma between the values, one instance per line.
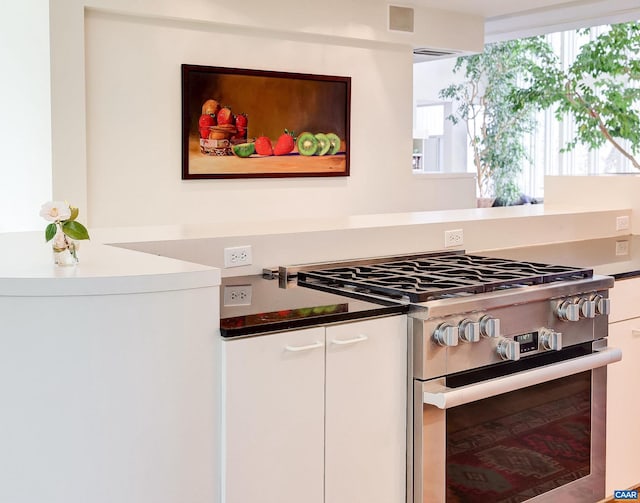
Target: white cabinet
x=623, y=407
x=365, y=429
x=317, y=415
x=274, y=418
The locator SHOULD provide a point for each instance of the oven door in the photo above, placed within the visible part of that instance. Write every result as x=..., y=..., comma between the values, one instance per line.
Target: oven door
x=532, y=435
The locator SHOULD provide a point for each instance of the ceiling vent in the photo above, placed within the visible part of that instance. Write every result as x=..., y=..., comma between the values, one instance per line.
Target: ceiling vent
x=428, y=54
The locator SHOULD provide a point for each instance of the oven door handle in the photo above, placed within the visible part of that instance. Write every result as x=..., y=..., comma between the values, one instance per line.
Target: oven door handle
x=445, y=398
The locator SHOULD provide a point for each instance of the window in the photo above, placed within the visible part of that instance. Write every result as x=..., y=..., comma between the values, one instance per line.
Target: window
x=439, y=146
x=545, y=144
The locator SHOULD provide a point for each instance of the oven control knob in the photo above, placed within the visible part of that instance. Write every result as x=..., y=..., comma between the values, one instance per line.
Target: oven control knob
x=568, y=311
x=603, y=305
x=551, y=339
x=469, y=330
x=446, y=335
x=489, y=327
x=508, y=349
x=587, y=308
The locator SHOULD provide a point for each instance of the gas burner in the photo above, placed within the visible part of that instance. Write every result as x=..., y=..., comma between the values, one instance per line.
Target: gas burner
x=437, y=276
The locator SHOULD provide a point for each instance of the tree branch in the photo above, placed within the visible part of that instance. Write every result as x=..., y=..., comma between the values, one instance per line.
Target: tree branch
x=580, y=101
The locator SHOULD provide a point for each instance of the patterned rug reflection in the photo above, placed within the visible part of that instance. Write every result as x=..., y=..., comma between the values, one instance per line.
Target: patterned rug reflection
x=521, y=455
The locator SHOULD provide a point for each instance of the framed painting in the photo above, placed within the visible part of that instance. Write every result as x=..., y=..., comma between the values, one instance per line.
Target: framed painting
x=239, y=123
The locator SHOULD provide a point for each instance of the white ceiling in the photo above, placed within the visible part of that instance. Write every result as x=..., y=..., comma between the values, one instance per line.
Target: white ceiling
x=510, y=19
x=506, y=19
x=499, y=8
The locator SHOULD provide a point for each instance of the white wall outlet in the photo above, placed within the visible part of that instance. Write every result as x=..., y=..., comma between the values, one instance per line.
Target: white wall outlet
x=237, y=256
x=622, y=248
x=453, y=238
x=622, y=223
x=237, y=295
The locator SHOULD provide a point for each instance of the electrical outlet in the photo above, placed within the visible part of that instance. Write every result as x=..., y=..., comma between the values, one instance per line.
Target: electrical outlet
x=622, y=248
x=237, y=256
x=453, y=238
x=237, y=295
x=622, y=223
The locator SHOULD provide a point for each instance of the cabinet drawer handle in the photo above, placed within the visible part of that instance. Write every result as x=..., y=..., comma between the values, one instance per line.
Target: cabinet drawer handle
x=315, y=345
x=360, y=338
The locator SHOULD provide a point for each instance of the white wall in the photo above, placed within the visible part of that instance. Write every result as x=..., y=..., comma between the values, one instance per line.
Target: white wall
x=595, y=192
x=25, y=120
x=116, y=106
x=33, y=159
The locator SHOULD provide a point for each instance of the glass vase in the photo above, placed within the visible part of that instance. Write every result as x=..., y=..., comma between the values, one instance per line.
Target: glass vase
x=64, y=250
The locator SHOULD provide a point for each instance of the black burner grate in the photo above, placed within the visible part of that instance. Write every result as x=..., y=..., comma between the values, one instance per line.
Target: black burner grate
x=439, y=276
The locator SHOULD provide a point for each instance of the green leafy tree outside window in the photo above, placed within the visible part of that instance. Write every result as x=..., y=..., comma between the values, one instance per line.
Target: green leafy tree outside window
x=599, y=90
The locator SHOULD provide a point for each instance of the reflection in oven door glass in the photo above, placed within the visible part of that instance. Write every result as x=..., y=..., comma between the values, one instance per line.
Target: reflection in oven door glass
x=521, y=444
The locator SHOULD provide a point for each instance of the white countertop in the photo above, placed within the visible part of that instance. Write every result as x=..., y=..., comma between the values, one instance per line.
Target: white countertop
x=297, y=241
x=27, y=269
x=138, y=259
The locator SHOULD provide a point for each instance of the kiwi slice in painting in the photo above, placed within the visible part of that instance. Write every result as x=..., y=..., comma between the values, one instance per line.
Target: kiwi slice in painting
x=244, y=149
x=323, y=144
x=334, y=139
x=307, y=144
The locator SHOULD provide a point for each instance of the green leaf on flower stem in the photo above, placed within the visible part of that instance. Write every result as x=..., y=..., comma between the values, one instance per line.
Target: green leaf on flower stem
x=50, y=231
x=75, y=230
x=74, y=213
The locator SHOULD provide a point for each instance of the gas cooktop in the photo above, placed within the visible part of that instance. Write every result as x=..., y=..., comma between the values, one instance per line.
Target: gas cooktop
x=435, y=276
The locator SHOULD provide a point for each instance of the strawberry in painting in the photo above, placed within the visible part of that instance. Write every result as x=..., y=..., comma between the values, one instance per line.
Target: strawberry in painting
x=285, y=144
x=206, y=120
x=241, y=126
x=225, y=116
x=242, y=121
x=263, y=146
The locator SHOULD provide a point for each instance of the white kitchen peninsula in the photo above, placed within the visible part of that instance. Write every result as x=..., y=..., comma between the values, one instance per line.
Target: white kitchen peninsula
x=108, y=369
x=107, y=376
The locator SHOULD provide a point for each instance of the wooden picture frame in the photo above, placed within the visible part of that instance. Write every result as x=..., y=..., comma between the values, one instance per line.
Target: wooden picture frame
x=234, y=122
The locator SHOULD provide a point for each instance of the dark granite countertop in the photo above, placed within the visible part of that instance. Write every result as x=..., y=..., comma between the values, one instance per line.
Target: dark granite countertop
x=618, y=257
x=273, y=309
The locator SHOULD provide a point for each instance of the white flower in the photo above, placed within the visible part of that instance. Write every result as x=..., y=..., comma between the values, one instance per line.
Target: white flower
x=55, y=211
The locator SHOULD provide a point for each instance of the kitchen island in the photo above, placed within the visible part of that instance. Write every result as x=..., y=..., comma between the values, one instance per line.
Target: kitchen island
x=110, y=368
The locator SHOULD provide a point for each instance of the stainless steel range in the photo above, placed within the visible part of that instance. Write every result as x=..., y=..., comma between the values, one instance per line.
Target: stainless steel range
x=507, y=372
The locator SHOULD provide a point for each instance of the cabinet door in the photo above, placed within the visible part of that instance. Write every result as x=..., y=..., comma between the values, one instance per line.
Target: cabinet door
x=625, y=300
x=365, y=425
x=623, y=407
x=273, y=406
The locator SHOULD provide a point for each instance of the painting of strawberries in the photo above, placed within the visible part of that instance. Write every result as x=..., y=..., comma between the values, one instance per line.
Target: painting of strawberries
x=240, y=123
